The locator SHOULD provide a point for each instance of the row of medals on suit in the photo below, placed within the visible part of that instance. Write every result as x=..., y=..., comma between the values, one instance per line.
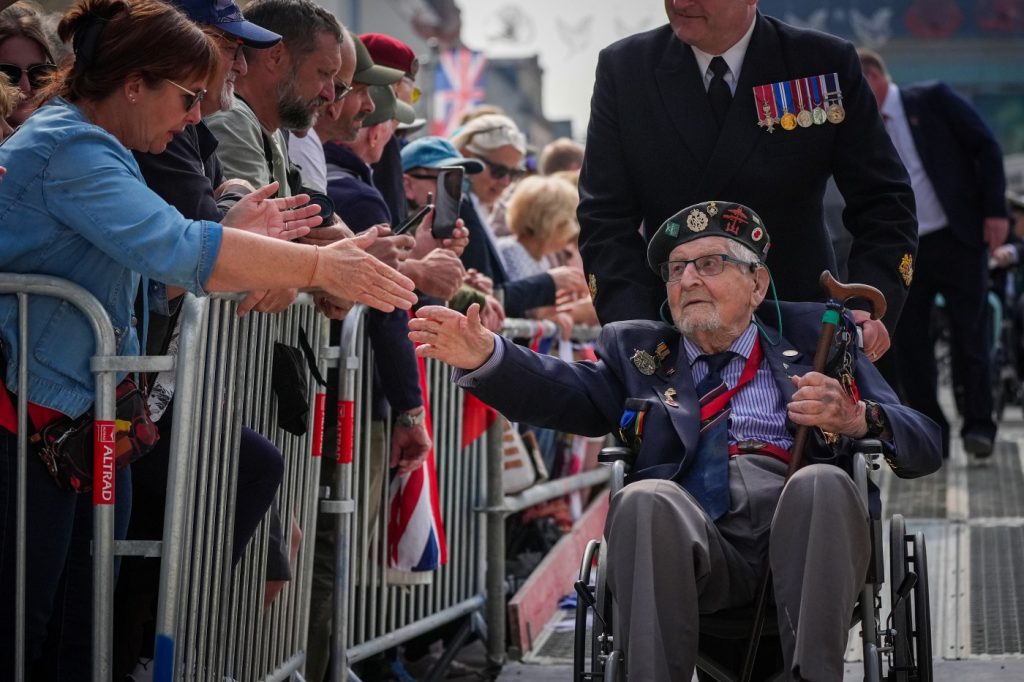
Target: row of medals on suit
x=814, y=99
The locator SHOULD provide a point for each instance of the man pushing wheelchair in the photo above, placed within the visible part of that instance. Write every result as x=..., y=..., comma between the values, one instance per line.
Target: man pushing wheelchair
x=711, y=406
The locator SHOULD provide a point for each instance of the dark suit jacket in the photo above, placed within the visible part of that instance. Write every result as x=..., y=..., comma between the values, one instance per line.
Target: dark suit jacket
x=520, y=295
x=960, y=156
x=589, y=398
x=652, y=150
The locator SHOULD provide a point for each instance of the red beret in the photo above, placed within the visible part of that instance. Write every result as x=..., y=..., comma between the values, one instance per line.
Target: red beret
x=389, y=51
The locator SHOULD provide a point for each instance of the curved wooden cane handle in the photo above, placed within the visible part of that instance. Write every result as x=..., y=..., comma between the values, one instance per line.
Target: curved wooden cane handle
x=846, y=292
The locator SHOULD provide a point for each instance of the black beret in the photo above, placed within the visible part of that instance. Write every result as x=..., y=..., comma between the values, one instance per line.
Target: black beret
x=708, y=219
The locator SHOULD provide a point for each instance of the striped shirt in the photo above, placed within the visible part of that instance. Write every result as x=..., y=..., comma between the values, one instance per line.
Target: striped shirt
x=758, y=412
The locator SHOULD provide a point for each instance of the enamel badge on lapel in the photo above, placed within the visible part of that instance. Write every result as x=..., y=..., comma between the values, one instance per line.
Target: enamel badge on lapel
x=644, y=362
x=907, y=268
x=670, y=397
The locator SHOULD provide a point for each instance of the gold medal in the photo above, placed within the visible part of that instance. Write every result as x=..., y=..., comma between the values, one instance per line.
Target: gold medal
x=644, y=362
x=788, y=121
x=836, y=113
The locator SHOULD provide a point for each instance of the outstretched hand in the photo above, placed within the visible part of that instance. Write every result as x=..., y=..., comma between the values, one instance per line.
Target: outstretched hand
x=285, y=218
x=345, y=270
x=451, y=337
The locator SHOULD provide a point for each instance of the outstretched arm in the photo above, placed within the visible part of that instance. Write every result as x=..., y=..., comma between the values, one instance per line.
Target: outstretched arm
x=451, y=337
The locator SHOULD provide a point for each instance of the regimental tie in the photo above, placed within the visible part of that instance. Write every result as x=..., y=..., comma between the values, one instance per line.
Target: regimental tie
x=719, y=93
x=708, y=477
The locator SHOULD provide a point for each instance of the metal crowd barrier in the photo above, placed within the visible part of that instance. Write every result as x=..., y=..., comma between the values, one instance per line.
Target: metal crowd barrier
x=105, y=365
x=211, y=624
x=374, y=611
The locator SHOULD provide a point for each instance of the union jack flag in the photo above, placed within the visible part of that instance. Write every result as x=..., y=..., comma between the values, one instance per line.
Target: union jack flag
x=458, y=87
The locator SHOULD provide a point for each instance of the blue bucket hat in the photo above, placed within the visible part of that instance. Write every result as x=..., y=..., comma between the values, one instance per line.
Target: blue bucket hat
x=225, y=15
x=436, y=152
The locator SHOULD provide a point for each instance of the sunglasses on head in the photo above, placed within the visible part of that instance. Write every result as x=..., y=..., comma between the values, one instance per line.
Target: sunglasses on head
x=37, y=73
x=499, y=171
x=192, y=99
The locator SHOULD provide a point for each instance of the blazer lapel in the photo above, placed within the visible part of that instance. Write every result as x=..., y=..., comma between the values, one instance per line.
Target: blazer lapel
x=912, y=111
x=685, y=99
x=762, y=64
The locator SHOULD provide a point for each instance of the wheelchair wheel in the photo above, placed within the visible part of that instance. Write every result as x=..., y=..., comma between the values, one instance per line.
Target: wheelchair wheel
x=911, y=617
x=580, y=636
x=602, y=644
x=922, y=611
x=902, y=662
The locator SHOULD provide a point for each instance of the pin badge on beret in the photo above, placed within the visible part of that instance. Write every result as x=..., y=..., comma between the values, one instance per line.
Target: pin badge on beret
x=697, y=221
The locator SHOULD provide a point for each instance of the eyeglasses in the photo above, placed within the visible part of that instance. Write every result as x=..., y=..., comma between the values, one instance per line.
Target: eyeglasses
x=192, y=99
x=341, y=90
x=234, y=44
x=37, y=73
x=706, y=266
x=416, y=94
x=499, y=171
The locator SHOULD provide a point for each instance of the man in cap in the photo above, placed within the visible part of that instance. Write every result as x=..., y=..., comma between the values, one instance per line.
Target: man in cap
x=387, y=173
x=709, y=405
x=678, y=113
x=282, y=90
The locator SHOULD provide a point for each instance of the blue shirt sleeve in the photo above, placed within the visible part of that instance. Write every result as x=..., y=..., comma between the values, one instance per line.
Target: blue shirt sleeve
x=92, y=183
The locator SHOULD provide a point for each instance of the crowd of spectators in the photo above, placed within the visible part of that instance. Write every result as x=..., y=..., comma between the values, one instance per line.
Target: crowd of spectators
x=222, y=132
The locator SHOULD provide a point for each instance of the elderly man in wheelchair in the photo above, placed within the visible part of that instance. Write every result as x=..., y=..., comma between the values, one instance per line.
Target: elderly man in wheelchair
x=709, y=406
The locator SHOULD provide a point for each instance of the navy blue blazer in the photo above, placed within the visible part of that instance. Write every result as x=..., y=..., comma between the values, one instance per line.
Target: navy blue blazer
x=589, y=398
x=961, y=156
x=653, y=148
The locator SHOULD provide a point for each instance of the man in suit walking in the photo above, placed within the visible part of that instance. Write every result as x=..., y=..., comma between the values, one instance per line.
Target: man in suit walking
x=679, y=114
x=956, y=170
x=709, y=406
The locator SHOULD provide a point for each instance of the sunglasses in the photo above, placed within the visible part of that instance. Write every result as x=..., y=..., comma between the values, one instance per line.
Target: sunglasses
x=192, y=99
x=37, y=73
x=341, y=90
x=499, y=171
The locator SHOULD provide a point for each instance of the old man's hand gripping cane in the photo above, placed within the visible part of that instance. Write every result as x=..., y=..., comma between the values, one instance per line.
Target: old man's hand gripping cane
x=838, y=296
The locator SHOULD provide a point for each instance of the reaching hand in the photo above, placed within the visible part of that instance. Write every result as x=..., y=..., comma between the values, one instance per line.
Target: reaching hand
x=267, y=301
x=333, y=308
x=439, y=274
x=451, y=337
x=569, y=280
x=389, y=248
x=425, y=242
x=409, y=447
x=345, y=270
x=480, y=281
x=286, y=218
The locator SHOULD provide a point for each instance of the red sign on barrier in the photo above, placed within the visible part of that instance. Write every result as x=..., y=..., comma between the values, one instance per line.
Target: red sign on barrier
x=318, y=424
x=346, y=430
x=103, y=462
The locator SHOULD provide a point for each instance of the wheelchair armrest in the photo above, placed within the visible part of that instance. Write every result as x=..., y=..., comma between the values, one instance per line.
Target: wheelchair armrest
x=616, y=453
x=871, y=448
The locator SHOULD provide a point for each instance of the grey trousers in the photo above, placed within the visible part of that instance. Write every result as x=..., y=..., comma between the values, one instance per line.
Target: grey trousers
x=668, y=563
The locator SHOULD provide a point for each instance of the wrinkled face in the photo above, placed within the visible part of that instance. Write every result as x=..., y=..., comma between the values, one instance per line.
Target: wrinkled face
x=308, y=84
x=710, y=25
x=232, y=64
x=24, y=54
x=706, y=304
x=160, y=113
x=356, y=106
x=489, y=185
x=419, y=182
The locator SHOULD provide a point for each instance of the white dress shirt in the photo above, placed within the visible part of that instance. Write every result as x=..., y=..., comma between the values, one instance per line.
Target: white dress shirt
x=930, y=216
x=733, y=58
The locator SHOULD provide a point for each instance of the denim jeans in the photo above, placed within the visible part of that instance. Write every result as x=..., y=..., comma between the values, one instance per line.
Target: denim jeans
x=58, y=586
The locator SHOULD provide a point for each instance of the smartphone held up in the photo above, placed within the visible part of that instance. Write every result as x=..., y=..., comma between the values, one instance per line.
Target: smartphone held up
x=449, y=196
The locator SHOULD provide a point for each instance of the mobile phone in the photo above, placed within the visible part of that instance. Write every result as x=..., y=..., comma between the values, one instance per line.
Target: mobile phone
x=449, y=196
x=414, y=221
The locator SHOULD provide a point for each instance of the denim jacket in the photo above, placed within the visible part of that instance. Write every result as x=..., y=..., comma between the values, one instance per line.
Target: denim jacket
x=74, y=205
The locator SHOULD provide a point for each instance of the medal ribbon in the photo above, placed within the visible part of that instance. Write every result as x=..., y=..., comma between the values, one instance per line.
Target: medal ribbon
x=832, y=82
x=780, y=95
x=796, y=94
x=805, y=86
x=817, y=92
x=762, y=94
x=715, y=405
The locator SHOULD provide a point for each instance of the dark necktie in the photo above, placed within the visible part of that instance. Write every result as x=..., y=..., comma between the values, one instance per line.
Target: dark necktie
x=718, y=91
x=707, y=479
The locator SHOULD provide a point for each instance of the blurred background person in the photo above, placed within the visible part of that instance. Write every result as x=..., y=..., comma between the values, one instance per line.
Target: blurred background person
x=25, y=56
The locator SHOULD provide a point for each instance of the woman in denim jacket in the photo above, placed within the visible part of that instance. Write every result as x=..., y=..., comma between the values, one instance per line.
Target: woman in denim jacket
x=73, y=204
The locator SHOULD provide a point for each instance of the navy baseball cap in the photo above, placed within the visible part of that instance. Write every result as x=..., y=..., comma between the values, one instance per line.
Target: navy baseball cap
x=225, y=15
x=436, y=152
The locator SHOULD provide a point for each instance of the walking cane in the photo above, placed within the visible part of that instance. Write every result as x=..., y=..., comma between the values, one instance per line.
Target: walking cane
x=838, y=296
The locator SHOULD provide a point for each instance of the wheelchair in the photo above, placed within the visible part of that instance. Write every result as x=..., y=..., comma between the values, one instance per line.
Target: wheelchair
x=898, y=650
